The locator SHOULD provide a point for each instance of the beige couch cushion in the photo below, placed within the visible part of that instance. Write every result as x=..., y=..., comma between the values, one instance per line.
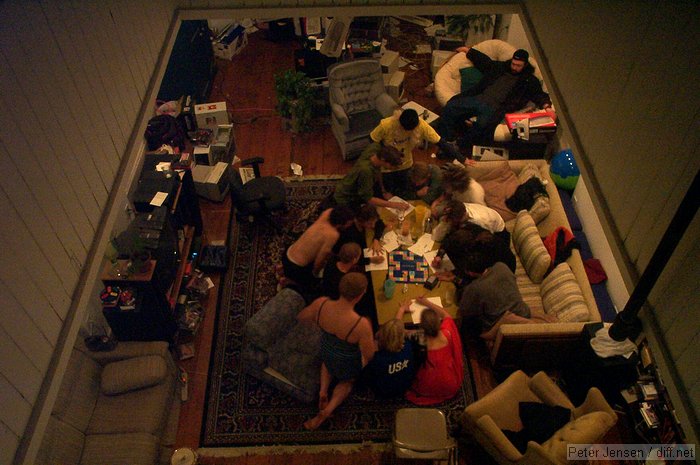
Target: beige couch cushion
x=586, y=429
x=131, y=374
x=79, y=391
x=530, y=248
x=120, y=449
x=499, y=184
x=562, y=296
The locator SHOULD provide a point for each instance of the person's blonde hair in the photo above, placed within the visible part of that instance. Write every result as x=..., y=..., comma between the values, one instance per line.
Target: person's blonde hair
x=456, y=178
x=349, y=252
x=430, y=322
x=352, y=285
x=390, y=336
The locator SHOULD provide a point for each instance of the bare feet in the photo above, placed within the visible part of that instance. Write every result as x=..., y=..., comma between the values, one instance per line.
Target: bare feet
x=322, y=401
x=316, y=421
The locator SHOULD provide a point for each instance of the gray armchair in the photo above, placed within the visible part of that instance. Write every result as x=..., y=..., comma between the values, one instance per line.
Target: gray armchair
x=358, y=102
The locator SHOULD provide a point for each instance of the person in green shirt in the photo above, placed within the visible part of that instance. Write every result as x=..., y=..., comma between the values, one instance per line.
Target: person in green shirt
x=363, y=183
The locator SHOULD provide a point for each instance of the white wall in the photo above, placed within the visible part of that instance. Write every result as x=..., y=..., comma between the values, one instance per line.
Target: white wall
x=600, y=247
x=516, y=34
x=74, y=78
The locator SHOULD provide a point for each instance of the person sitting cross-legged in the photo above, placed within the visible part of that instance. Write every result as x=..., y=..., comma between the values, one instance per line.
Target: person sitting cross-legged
x=347, y=343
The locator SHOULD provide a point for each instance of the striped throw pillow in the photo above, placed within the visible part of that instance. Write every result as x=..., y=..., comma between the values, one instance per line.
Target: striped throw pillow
x=562, y=296
x=530, y=248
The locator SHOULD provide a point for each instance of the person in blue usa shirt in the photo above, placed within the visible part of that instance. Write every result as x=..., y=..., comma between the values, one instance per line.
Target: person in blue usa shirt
x=393, y=367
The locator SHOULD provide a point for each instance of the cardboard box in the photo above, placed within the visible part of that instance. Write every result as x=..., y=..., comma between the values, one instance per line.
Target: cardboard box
x=220, y=147
x=393, y=83
x=231, y=44
x=212, y=182
x=390, y=62
x=211, y=115
x=439, y=58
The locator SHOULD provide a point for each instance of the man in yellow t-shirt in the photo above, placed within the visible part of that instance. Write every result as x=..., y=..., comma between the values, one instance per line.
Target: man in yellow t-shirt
x=404, y=130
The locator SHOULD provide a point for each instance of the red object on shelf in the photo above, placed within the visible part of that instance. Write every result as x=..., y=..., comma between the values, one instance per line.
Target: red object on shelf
x=546, y=119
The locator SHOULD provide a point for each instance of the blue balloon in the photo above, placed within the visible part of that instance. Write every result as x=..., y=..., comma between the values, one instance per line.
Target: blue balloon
x=564, y=170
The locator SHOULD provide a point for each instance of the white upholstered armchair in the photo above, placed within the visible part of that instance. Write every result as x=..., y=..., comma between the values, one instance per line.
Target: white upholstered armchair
x=358, y=102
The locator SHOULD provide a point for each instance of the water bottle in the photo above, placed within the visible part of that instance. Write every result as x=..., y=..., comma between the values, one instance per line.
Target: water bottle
x=428, y=227
x=389, y=287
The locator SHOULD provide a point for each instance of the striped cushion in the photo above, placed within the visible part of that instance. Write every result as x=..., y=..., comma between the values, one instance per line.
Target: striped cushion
x=529, y=247
x=131, y=374
x=529, y=291
x=562, y=296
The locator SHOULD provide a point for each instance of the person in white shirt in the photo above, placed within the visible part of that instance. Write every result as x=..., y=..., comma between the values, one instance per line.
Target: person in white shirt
x=457, y=213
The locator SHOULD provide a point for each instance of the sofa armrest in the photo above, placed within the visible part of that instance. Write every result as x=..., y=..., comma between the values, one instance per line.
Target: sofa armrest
x=496, y=439
x=385, y=104
x=529, y=345
x=595, y=402
x=340, y=116
x=543, y=386
x=126, y=350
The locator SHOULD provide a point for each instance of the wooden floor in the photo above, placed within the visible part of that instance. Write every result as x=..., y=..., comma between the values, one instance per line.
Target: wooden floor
x=246, y=84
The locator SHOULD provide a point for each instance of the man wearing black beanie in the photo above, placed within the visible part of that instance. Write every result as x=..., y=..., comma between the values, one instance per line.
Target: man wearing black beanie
x=506, y=87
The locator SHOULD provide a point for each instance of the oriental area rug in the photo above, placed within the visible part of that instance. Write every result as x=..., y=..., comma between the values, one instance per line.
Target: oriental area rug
x=243, y=411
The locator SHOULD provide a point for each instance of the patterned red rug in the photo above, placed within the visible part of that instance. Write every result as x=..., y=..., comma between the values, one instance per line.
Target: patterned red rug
x=243, y=411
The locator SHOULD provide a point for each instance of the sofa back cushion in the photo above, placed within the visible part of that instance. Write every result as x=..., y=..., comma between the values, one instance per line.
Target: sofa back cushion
x=132, y=374
x=499, y=184
x=530, y=248
x=79, y=391
x=562, y=296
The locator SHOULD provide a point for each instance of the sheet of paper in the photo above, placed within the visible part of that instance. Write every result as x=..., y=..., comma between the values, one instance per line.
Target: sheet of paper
x=159, y=198
x=416, y=309
x=390, y=241
x=423, y=244
x=383, y=265
x=445, y=265
x=400, y=213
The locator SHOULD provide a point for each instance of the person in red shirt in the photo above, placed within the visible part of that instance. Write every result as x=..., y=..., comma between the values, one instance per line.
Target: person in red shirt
x=441, y=376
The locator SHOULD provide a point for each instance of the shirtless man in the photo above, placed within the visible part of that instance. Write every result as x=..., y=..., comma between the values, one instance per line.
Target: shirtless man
x=305, y=259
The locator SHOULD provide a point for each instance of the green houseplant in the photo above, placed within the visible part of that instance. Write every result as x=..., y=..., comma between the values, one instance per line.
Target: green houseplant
x=460, y=25
x=295, y=99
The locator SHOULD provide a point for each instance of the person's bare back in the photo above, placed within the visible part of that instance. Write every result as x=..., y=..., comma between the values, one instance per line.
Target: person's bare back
x=315, y=244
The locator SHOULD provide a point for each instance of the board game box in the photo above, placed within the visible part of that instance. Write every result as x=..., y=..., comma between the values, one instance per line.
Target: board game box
x=407, y=267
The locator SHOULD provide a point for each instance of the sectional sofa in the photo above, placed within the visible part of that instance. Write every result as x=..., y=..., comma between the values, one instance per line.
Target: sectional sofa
x=565, y=291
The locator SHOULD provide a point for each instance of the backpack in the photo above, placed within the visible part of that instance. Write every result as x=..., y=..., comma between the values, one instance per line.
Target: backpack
x=164, y=129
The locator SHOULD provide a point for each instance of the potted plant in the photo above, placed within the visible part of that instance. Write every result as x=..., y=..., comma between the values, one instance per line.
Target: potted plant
x=295, y=99
x=140, y=258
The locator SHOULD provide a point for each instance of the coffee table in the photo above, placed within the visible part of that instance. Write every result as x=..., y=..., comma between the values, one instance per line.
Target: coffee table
x=387, y=308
